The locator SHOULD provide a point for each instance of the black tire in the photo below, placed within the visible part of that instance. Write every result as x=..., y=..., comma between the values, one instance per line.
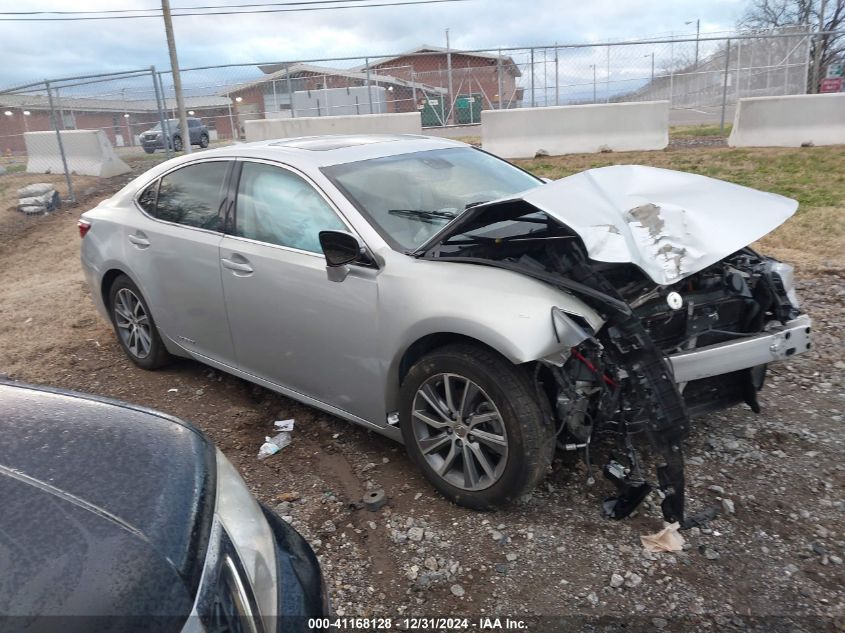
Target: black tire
x=528, y=433
x=149, y=150
x=157, y=355
x=177, y=143
x=204, y=141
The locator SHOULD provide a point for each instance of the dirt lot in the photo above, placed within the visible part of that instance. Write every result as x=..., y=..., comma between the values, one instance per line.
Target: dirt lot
x=773, y=560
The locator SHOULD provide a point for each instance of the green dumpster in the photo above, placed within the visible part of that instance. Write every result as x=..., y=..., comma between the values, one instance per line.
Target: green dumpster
x=468, y=108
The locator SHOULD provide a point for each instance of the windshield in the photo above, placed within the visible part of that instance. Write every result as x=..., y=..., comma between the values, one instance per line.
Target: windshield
x=409, y=197
x=170, y=123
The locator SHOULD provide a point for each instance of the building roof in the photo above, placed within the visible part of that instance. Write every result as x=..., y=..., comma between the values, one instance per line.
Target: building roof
x=507, y=60
x=93, y=104
x=300, y=69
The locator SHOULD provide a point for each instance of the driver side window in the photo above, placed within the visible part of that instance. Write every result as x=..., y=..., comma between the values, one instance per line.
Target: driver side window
x=278, y=207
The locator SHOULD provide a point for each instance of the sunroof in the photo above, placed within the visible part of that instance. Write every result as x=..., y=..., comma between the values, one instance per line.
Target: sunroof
x=326, y=143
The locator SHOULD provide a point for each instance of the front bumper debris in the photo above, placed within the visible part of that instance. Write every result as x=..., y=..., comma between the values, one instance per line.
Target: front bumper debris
x=776, y=344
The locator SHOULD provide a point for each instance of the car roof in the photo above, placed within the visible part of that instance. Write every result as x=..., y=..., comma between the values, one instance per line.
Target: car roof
x=327, y=150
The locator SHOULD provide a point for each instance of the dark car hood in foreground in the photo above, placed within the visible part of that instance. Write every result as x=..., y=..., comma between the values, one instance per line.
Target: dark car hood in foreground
x=105, y=508
x=669, y=223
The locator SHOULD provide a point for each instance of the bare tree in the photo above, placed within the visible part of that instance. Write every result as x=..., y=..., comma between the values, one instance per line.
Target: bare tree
x=764, y=15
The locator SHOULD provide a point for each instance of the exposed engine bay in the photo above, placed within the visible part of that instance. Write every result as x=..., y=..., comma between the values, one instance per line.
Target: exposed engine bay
x=618, y=381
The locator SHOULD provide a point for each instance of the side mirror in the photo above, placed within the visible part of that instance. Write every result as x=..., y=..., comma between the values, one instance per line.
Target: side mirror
x=340, y=248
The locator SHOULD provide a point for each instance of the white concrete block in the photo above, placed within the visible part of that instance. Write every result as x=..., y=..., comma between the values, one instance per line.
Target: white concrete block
x=88, y=153
x=789, y=121
x=266, y=129
x=617, y=127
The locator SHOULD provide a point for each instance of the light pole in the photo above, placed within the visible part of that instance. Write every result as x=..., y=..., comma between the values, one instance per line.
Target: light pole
x=697, y=34
x=652, y=65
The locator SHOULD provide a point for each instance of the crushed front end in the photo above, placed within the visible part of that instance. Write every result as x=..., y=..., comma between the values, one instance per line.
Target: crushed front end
x=667, y=350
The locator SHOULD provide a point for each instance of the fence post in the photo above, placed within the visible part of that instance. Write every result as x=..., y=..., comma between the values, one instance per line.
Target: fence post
x=450, y=115
x=557, y=78
x=369, y=88
x=290, y=92
x=725, y=86
x=71, y=196
x=671, y=70
x=160, y=106
x=499, y=78
x=607, y=78
x=532, y=78
x=738, y=67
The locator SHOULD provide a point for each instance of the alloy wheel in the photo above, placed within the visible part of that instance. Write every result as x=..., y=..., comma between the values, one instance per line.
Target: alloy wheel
x=459, y=431
x=133, y=323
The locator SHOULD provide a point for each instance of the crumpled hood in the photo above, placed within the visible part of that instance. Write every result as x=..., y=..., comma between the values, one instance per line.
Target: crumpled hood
x=669, y=223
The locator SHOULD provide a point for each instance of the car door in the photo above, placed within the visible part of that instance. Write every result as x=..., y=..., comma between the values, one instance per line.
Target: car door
x=173, y=250
x=290, y=325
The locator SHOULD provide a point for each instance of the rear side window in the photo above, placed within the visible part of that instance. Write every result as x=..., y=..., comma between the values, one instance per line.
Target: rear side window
x=147, y=199
x=192, y=195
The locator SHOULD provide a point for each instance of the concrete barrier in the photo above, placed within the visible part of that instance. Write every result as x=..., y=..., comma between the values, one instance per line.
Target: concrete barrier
x=266, y=129
x=790, y=121
x=88, y=153
x=617, y=127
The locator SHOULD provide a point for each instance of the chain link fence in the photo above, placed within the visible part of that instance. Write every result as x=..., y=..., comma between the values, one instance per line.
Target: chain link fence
x=449, y=87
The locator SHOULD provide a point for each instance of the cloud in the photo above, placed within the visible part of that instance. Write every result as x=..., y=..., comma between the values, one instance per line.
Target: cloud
x=37, y=50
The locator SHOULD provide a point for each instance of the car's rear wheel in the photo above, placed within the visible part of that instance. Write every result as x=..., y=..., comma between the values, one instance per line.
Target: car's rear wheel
x=204, y=141
x=133, y=323
x=149, y=150
x=177, y=143
x=471, y=421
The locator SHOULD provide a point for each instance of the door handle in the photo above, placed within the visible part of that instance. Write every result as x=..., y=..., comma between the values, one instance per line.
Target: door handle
x=240, y=267
x=139, y=240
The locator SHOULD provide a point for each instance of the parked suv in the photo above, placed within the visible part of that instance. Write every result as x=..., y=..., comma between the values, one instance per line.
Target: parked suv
x=152, y=139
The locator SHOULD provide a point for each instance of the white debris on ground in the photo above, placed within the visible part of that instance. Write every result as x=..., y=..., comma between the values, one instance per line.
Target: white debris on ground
x=273, y=445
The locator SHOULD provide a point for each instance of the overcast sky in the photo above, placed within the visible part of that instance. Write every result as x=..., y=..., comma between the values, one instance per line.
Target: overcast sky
x=36, y=50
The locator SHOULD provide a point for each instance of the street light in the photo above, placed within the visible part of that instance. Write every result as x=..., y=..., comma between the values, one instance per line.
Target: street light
x=239, y=99
x=652, y=65
x=191, y=112
x=26, y=112
x=8, y=113
x=697, y=33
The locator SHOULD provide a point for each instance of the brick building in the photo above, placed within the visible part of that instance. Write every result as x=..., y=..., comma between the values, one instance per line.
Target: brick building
x=121, y=120
x=271, y=96
x=472, y=73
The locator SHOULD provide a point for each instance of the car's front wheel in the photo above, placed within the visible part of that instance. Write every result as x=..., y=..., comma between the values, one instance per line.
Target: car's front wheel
x=149, y=150
x=471, y=421
x=204, y=141
x=133, y=323
x=177, y=143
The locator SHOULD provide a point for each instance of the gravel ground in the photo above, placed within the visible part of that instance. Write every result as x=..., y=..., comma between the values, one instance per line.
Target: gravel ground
x=772, y=560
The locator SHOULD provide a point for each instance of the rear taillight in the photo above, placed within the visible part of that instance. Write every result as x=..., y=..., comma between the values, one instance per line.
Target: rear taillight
x=84, y=227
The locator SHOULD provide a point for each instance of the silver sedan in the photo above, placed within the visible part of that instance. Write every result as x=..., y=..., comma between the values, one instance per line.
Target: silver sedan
x=447, y=299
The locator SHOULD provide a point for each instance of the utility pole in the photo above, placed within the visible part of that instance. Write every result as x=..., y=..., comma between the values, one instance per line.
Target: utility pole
x=177, y=80
x=817, y=53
